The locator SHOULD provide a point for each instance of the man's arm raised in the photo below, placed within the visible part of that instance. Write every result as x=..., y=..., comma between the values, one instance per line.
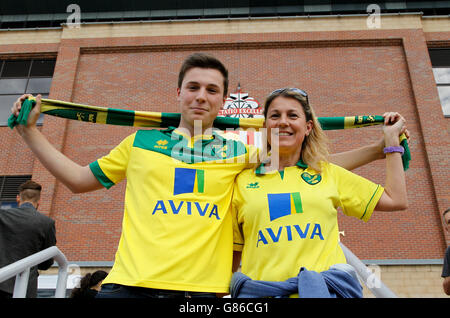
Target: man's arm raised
x=77, y=178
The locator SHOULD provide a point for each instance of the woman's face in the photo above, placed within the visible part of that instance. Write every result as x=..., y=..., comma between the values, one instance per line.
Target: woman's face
x=288, y=116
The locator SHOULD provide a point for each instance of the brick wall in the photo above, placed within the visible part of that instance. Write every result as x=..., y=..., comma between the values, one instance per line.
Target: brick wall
x=344, y=72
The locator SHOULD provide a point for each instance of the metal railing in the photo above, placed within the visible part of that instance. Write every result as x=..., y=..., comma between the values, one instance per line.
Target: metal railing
x=21, y=269
x=372, y=282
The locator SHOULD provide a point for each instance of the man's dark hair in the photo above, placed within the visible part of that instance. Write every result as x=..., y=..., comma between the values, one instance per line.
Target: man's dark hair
x=30, y=191
x=203, y=60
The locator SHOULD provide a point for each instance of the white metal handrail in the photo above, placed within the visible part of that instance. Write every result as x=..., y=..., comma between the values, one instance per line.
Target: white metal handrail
x=376, y=286
x=21, y=269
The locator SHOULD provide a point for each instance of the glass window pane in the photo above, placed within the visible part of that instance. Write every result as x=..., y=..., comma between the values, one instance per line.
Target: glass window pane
x=42, y=68
x=13, y=85
x=6, y=103
x=442, y=75
x=440, y=57
x=16, y=68
x=39, y=85
x=444, y=95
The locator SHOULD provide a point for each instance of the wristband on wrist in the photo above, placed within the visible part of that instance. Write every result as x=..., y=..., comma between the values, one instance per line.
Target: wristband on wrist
x=394, y=149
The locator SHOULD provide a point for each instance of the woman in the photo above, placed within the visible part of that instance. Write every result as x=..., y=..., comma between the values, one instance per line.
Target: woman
x=285, y=217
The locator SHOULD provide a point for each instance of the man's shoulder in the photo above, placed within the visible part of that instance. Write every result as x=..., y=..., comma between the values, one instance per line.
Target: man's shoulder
x=26, y=214
x=14, y=211
x=36, y=215
x=44, y=218
x=151, y=134
x=446, y=266
x=153, y=139
x=39, y=216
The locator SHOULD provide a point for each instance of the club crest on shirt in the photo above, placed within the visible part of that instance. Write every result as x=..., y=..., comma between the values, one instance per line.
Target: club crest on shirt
x=311, y=179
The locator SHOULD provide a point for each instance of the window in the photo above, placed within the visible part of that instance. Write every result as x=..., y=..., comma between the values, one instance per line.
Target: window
x=9, y=189
x=18, y=77
x=440, y=59
x=442, y=77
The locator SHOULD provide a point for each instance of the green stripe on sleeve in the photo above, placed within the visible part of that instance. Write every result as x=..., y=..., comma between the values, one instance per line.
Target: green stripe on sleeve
x=372, y=203
x=101, y=177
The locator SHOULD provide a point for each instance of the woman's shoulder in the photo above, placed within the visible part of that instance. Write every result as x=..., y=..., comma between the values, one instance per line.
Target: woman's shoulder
x=329, y=167
x=247, y=173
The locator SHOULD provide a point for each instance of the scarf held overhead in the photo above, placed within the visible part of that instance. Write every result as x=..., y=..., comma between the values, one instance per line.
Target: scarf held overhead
x=123, y=117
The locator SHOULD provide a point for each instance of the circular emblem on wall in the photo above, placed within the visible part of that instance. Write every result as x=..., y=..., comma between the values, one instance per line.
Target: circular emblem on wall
x=241, y=105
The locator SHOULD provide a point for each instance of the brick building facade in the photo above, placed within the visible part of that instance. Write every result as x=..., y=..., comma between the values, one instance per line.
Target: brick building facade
x=346, y=68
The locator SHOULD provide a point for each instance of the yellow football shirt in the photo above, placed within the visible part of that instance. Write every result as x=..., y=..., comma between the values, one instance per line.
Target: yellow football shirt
x=287, y=220
x=176, y=231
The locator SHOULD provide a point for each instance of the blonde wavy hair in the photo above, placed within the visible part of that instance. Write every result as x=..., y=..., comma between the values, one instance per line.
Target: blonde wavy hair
x=315, y=145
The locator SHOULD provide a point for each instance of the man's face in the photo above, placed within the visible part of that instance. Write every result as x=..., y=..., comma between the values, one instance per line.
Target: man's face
x=200, y=97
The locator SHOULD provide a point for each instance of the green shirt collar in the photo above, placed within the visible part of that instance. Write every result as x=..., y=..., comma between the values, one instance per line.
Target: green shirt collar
x=262, y=169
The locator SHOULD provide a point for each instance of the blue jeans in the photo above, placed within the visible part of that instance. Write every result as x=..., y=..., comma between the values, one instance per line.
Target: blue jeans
x=122, y=291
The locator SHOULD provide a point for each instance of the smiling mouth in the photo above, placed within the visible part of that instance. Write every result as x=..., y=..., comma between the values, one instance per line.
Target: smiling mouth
x=283, y=133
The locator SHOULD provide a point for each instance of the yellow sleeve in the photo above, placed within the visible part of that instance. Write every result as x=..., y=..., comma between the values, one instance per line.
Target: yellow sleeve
x=111, y=169
x=238, y=237
x=358, y=195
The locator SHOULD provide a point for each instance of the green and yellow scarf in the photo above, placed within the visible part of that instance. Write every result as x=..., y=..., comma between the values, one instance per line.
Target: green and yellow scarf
x=123, y=117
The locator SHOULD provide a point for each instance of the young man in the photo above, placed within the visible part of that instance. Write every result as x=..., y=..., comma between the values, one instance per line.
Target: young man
x=23, y=232
x=177, y=236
